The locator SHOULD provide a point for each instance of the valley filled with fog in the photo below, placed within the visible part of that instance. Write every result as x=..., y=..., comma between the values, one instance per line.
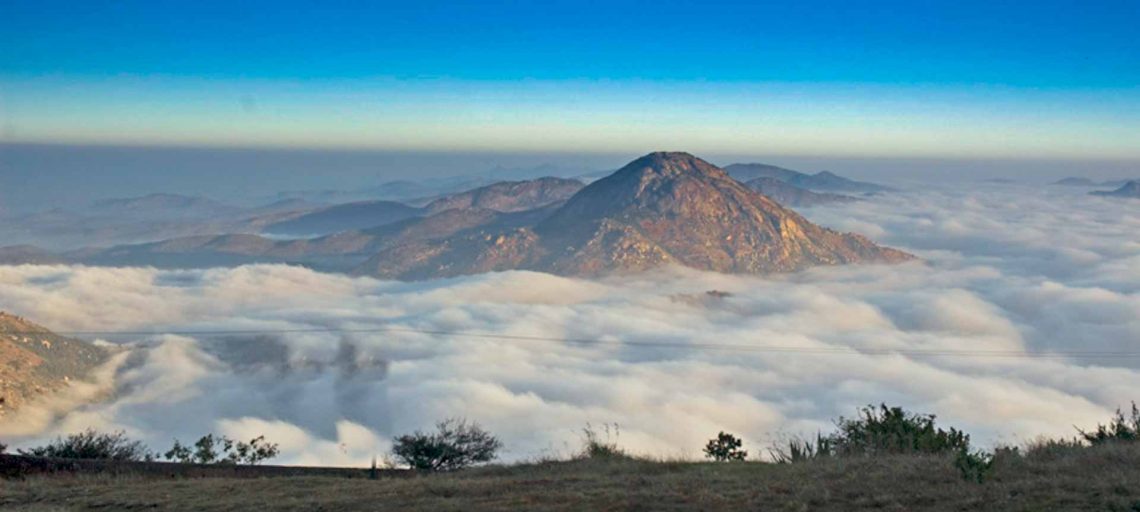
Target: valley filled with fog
x=1021, y=319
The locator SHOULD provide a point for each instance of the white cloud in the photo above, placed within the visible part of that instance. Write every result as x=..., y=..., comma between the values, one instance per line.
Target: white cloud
x=1010, y=269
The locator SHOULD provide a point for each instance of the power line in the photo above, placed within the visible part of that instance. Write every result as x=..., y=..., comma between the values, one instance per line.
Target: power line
x=738, y=347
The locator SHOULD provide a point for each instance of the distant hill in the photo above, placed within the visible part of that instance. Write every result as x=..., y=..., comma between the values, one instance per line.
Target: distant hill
x=749, y=172
x=511, y=196
x=505, y=196
x=27, y=255
x=1085, y=182
x=37, y=362
x=664, y=208
x=165, y=205
x=336, y=252
x=791, y=195
x=1076, y=182
x=822, y=181
x=1130, y=189
x=344, y=217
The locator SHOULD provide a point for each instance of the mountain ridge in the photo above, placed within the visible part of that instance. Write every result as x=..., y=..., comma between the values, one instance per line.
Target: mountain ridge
x=823, y=181
x=790, y=195
x=662, y=208
x=1130, y=189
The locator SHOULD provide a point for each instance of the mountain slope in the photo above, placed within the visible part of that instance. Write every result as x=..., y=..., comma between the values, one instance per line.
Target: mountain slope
x=1130, y=189
x=336, y=252
x=345, y=217
x=511, y=196
x=821, y=181
x=791, y=195
x=36, y=361
x=506, y=196
x=663, y=208
x=27, y=255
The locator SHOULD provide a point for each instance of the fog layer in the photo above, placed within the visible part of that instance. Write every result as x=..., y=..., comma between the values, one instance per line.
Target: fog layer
x=1002, y=330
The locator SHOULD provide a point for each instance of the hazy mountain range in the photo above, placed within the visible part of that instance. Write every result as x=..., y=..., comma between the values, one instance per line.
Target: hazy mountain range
x=790, y=195
x=822, y=181
x=506, y=196
x=665, y=208
x=1085, y=182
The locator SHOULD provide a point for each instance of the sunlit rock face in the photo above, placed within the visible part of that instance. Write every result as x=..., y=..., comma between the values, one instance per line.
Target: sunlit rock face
x=35, y=362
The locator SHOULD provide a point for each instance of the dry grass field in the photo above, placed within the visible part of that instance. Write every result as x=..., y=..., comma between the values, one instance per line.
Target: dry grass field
x=1097, y=478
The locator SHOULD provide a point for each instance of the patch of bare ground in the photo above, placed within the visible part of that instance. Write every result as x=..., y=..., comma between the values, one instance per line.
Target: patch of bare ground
x=1097, y=478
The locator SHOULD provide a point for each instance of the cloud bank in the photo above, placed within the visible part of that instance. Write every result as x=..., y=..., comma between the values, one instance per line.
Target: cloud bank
x=1016, y=281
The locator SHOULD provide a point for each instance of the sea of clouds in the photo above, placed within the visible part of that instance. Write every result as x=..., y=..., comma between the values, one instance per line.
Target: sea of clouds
x=1000, y=330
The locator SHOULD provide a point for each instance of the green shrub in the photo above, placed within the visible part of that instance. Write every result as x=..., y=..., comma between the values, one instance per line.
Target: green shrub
x=1119, y=429
x=974, y=466
x=894, y=430
x=222, y=450
x=456, y=444
x=876, y=431
x=90, y=444
x=726, y=447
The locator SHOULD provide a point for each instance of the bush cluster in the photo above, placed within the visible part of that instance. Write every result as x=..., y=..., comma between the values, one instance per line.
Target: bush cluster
x=210, y=449
x=455, y=444
x=1119, y=429
x=91, y=444
x=877, y=431
x=222, y=450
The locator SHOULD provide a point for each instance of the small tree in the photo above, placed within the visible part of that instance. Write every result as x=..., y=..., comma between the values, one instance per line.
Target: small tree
x=726, y=447
x=90, y=444
x=1118, y=429
x=455, y=444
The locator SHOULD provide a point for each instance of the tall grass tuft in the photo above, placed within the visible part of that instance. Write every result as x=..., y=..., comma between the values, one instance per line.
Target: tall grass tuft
x=602, y=445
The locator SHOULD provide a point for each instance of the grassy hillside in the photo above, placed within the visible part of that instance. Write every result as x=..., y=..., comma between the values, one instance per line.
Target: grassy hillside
x=1105, y=477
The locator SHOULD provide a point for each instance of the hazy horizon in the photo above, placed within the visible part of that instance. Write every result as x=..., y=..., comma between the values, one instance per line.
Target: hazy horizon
x=251, y=175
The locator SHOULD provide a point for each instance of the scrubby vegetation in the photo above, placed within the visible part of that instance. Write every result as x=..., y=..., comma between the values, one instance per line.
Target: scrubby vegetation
x=222, y=450
x=210, y=449
x=456, y=444
x=882, y=430
x=877, y=431
x=91, y=444
x=1103, y=477
x=1119, y=429
x=882, y=458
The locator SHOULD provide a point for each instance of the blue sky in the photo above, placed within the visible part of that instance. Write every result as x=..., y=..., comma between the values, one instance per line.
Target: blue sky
x=914, y=78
